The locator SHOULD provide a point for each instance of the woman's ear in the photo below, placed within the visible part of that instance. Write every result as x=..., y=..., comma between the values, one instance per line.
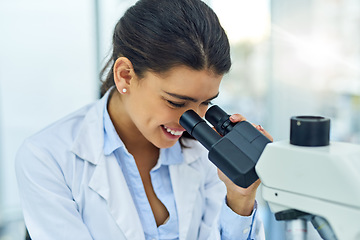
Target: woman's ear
x=123, y=74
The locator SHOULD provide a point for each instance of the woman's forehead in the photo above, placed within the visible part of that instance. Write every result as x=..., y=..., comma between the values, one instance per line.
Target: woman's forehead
x=184, y=81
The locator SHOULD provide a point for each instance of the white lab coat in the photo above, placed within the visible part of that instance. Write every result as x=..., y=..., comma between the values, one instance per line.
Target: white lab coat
x=71, y=190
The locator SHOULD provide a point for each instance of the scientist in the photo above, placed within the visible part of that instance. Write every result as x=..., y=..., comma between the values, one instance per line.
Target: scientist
x=122, y=167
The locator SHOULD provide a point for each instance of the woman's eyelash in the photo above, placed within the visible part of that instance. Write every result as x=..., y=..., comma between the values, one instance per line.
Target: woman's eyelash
x=178, y=105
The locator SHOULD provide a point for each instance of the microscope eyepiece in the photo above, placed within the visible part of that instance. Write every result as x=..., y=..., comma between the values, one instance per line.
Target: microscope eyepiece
x=219, y=119
x=189, y=120
x=199, y=129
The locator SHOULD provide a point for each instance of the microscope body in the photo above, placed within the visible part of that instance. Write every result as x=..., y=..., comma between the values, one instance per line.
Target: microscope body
x=320, y=181
x=307, y=178
x=225, y=152
x=237, y=141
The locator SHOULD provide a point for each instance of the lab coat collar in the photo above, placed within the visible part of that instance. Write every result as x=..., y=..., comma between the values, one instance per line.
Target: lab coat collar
x=109, y=182
x=112, y=140
x=88, y=144
x=186, y=182
x=194, y=152
x=107, y=179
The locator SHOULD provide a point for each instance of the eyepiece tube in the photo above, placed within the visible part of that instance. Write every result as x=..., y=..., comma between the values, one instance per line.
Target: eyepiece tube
x=219, y=119
x=199, y=129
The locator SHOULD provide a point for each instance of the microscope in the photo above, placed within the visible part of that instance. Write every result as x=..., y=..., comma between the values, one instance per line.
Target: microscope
x=305, y=179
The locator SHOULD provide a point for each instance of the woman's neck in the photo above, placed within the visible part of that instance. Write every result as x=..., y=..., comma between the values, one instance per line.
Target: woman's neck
x=144, y=152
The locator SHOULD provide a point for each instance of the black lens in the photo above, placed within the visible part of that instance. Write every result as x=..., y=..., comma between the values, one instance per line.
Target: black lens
x=219, y=119
x=199, y=129
x=189, y=120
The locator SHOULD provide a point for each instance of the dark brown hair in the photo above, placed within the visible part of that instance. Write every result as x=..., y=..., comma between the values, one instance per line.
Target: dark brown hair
x=157, y=35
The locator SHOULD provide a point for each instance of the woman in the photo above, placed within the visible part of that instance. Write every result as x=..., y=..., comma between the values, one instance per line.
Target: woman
x=120, y=168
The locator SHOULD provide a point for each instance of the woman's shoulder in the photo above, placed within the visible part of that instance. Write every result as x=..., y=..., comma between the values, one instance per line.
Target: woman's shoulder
x=46, y=159
x=57, y=138
x=63, y=129
x=51, y=148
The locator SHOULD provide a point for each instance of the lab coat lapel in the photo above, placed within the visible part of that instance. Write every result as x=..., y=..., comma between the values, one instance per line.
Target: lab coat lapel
x=109, y=182
x=186, y=182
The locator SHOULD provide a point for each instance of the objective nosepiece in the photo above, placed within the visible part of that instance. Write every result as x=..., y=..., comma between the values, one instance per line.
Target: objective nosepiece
x=311, y=131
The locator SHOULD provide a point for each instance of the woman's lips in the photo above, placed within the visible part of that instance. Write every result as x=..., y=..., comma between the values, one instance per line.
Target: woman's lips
x=172, y=132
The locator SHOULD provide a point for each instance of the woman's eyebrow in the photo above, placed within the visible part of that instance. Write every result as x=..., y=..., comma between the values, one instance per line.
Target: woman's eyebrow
x=187, y=98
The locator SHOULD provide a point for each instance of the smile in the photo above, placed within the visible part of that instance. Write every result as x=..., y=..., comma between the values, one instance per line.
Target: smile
x=172, y=131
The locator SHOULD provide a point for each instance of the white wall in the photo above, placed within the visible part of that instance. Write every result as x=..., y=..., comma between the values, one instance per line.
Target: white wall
x=47, y=70
x=110, y=11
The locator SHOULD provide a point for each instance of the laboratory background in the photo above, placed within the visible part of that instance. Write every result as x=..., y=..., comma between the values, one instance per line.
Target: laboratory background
x=290, y=57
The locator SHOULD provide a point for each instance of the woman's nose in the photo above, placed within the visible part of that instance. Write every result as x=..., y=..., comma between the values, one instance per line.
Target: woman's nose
x=198, y=110
x=201, y=110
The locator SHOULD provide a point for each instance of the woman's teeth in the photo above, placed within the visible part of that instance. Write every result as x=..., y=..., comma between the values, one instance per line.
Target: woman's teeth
x=173, y=132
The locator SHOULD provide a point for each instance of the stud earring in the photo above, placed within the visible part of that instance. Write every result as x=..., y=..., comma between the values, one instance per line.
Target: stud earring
x=124, y=90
